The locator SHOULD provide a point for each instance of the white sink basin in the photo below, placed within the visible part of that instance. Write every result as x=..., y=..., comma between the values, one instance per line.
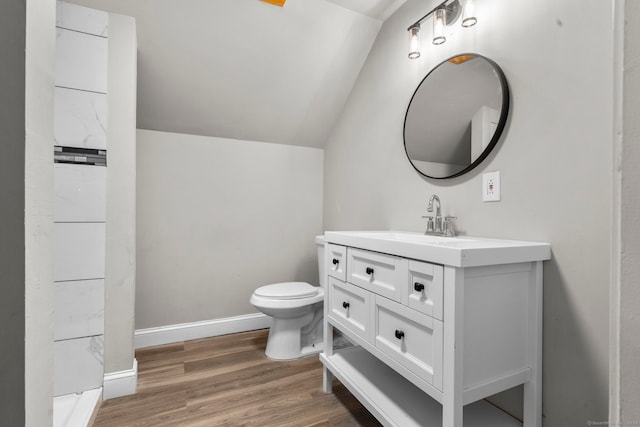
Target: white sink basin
x=411, y=237
x=455, y=251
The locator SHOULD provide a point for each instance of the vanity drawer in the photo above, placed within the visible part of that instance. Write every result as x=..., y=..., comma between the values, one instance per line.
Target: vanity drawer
x=335, y=261
x=350, y=307
x=412, y=339
x=425, y=288
x=383, y=274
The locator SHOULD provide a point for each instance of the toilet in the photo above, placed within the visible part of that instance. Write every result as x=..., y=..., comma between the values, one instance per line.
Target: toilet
x=296, y=310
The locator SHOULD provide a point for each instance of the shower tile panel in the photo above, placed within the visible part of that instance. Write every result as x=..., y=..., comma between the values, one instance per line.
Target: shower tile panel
x=80, y=18
x=79, y=309
x=78, y=365
x=81, y=61
x=79, y=251
x=80, y=119
x=80, y=193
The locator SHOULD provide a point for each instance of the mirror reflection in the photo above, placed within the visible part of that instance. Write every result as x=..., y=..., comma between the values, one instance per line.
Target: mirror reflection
x=456, y=116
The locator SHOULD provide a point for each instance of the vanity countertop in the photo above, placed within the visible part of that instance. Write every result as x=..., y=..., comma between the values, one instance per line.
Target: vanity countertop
x=463, y=251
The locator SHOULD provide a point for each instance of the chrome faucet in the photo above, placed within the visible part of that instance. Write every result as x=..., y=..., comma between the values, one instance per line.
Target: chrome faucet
x=438, y=227
x=438, y=221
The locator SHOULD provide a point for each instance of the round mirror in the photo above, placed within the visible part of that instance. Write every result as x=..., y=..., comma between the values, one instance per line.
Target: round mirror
x=456, y=116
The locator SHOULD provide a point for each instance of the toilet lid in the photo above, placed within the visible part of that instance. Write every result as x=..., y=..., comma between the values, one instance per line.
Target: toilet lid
x=287, y=290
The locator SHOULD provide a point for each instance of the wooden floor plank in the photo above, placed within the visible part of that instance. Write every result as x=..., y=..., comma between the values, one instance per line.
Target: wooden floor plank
x=228, y=381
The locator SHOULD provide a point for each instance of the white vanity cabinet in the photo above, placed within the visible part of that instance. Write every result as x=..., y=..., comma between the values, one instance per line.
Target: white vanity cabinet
x=439, y=323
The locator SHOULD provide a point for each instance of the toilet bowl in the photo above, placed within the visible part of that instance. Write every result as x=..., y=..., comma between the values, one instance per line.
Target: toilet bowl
x=296, y=311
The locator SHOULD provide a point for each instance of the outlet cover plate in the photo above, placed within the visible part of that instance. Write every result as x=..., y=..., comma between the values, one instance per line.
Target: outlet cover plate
x=491, y=187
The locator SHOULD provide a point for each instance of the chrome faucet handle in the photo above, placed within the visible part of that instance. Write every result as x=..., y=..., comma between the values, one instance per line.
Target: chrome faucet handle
x=430, y=224
x=448, y=226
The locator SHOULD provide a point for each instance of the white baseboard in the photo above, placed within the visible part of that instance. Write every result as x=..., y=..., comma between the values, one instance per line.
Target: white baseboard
x=121, y=383
x=196, y=330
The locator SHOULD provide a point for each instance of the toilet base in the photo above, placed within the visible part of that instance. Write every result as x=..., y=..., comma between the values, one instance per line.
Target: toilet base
x=287, y=341
x=312, y=349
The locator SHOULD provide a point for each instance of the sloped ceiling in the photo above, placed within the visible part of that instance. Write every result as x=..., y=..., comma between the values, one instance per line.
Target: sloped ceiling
x=246, y=69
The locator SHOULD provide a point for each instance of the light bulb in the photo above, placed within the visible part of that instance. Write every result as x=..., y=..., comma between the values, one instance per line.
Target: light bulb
x=468, y=14
x=439, y=19
x=414, y=42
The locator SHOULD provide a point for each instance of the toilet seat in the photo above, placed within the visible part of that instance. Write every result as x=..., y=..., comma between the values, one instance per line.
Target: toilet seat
x=287, y=295
x=287, y=291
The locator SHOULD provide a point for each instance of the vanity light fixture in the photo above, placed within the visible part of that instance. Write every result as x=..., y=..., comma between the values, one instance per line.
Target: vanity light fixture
x=414, y=42
x=444, y=14
x=439, y=22
x=468, y=14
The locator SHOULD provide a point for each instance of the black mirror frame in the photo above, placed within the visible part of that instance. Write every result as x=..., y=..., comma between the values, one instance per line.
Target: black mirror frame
x=504, y=112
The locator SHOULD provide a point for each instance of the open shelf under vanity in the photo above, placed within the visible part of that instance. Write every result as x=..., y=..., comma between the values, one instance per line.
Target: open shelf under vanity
x=395, y=401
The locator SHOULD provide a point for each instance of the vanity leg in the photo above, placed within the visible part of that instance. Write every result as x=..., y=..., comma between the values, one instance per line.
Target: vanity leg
x=327, y=380
x=452, y=383
x=327, y=376
x=532, y=410
x=452, y=415
x=532, y=403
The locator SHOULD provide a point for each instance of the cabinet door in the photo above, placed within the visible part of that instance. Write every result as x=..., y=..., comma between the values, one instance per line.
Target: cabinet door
x=411, y=338
x=379, y=273
x=336, y=261
x=350, y=308
x=425, y=288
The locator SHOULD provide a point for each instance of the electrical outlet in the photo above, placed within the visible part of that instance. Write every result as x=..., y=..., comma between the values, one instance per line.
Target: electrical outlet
x=491, y=187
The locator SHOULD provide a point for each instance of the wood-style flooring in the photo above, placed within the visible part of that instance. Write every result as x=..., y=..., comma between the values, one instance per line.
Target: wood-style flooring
x=228, y=381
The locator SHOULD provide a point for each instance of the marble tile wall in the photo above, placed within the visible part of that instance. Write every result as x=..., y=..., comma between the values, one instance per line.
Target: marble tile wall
x=86, y=71
x=79, y=308
x=80, y=120
x=79, y=249
x=78, y=364
x=82, y=19
x=80, y=193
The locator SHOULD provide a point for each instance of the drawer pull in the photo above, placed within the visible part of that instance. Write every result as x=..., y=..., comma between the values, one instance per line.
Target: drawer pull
x=399, y=334
x=335, y=261
x=345, y=304
x=369, y=270
x=419, y=287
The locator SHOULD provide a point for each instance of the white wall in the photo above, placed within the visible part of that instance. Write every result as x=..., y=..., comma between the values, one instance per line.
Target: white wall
x=27, y=43
x=216, y=218
x=555, y=162
x=38, y=209
x=121, y=196
x=625, y=295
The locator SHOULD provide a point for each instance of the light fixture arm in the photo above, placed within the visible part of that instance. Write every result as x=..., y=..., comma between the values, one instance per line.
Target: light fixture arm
x=451, y=6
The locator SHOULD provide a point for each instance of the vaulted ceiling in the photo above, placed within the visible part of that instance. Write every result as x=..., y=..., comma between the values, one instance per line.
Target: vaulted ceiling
x=246, y=69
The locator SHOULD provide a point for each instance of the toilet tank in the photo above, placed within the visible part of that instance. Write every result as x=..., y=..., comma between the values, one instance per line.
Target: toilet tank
x=320, y=251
